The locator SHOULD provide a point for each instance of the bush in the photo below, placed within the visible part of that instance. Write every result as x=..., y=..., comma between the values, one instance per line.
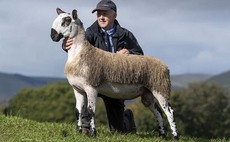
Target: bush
x=201, y=110
x=51, y=103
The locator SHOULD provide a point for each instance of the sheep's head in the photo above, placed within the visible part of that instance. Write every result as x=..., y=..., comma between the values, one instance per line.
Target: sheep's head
x=62, y=25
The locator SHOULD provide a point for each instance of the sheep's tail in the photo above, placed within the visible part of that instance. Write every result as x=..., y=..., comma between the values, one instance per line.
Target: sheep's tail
x=159, y=79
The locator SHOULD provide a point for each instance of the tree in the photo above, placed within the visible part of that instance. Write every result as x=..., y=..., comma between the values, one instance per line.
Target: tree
x=202, y=110
x=53, y=102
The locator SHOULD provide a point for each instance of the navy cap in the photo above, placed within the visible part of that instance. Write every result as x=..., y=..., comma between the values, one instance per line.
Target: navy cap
x=105, y=5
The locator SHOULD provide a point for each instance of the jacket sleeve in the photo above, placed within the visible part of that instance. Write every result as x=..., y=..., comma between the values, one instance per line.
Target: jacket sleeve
x=132, y=45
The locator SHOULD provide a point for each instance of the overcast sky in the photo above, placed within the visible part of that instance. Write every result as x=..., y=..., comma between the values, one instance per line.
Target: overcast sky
x=190, y=36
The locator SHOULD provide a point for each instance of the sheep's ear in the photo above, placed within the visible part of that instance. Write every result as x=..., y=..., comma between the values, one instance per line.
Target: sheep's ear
x=74, y=14
x=59, y=11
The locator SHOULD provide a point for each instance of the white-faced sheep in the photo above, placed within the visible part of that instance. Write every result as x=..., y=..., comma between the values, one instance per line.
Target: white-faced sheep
x=92, y=71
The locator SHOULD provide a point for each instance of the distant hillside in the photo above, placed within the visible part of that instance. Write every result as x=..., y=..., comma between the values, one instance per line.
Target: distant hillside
x=10, y=84
x=222, y=79
x=183, y=80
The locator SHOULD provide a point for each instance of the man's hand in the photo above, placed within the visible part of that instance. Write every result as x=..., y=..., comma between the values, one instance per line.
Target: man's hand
x=123, y=51
x=67, y=42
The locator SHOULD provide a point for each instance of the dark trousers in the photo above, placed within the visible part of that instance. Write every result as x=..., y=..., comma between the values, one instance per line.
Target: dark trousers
x=115, y=114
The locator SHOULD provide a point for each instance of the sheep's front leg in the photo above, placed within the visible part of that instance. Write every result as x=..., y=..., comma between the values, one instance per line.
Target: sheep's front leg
x=80, y=102
x=92, y=98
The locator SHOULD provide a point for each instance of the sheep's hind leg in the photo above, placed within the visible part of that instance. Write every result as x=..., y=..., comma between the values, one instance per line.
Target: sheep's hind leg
x=148, y=101
x=169, y=112
x=158, y=113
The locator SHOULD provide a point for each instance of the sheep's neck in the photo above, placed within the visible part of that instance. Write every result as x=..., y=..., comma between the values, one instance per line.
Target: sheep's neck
x=78, y=42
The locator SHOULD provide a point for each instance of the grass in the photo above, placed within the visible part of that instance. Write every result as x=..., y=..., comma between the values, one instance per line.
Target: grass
x=16, y=129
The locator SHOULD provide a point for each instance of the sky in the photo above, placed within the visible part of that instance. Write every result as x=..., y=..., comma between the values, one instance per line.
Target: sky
x=190, y=36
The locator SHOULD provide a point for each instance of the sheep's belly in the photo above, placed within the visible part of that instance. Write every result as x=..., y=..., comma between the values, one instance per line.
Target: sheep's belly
x=120, y=91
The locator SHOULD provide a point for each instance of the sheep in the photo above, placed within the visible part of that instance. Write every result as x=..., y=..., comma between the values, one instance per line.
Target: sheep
x=91, y=71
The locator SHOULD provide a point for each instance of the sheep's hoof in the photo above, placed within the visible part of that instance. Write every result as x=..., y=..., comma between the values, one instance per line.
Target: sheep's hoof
x=79, y=129
x=92, y=132
x=85, y=131
x=162, y=136
x=176, y=138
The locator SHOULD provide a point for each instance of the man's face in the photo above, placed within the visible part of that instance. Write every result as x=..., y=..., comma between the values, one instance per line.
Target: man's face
x=106, y=19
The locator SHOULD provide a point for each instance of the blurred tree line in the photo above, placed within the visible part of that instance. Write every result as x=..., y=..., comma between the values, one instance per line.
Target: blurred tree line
x=202, y=110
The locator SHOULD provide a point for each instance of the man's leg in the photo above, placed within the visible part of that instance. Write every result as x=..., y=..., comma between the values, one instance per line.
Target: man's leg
x=129, y=122
x=115, y=113
x=119, y=120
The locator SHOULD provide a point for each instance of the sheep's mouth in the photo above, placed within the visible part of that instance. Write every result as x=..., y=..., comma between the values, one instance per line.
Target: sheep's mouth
x=55, y=36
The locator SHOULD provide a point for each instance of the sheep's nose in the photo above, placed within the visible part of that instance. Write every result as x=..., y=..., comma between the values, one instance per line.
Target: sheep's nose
x=55, y=36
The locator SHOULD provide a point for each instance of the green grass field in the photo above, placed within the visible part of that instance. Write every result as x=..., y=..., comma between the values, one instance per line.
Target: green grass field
x=16, y=129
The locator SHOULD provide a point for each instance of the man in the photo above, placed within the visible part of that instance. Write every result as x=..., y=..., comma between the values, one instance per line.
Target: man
x=108, y=35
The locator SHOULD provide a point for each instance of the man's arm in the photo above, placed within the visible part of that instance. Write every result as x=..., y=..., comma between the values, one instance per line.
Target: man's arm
x=129, y=44
x=133, y=45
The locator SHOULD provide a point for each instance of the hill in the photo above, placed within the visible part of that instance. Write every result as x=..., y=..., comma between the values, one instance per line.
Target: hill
x=10, y=84
x=183, y=80
x=222, y=79
x=18, y=129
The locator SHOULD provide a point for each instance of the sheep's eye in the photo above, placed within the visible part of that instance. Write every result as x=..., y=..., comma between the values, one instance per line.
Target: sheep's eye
x=66, y=21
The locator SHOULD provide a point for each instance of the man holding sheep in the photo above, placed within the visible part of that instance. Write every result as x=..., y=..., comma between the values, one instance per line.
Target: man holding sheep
x=108, y=35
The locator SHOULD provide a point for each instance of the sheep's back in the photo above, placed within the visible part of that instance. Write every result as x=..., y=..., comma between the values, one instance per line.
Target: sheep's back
x=126, y=69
